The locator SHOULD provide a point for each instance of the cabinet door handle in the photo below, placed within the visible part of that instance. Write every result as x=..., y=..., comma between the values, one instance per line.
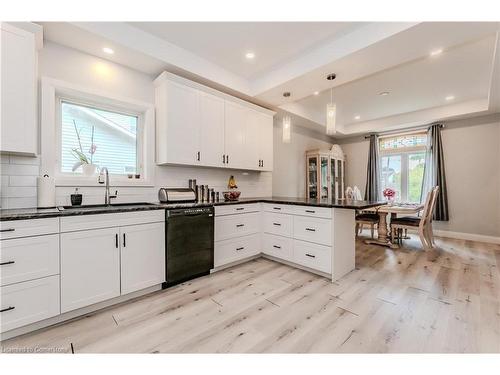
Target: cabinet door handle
x=223, y=159
x=124, y=240
x=227, y=159
x=198, y=156
x=276, y=208
x=277, y=247
x=277, y=224
x=116, y=240
x=310, y=211
x=8, y=262
x=240, y=225
x=8, y=230
x=311, y=229
x=239, y=248
x=310, y=255
x=240, y=208
x=8, y=309
x=262, y=163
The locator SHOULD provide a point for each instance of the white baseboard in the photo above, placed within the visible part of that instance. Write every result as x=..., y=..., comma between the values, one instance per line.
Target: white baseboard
x=467, y=236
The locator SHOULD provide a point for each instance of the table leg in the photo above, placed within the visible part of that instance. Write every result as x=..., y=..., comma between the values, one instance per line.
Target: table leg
x=382, y=238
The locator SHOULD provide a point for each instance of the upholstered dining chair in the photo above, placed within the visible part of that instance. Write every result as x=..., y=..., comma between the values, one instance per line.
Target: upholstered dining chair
x=422, y=224
x=368, y=218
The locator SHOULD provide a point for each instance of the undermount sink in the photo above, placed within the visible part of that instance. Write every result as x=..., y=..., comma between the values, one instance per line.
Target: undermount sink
x=105, y=206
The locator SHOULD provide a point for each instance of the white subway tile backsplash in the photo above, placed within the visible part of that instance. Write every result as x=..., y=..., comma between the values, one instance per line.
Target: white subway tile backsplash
x=14, y=159
x=22, y=180
x=19, y=170
x=18, y=188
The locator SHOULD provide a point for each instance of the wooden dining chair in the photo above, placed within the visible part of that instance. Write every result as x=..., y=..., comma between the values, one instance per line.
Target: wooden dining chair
x=422, y=224
x=369, y=218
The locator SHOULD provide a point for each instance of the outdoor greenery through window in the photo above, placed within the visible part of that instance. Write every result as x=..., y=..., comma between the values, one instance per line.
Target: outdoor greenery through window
x=402, y=161
x=97, y=137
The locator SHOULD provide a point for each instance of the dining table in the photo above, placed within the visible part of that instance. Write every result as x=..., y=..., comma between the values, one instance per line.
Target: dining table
x=406, y=209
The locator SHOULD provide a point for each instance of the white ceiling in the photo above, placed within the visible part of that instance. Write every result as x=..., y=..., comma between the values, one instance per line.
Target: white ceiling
x=414, y=86
x=367, y=57
x=225, y=43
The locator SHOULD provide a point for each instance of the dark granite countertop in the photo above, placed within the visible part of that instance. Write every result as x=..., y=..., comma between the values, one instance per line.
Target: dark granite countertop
x=38, y=213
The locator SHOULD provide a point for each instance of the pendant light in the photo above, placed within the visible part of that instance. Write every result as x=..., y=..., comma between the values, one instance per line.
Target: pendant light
x=331, y=110
x=287, y=124
x=287, y=129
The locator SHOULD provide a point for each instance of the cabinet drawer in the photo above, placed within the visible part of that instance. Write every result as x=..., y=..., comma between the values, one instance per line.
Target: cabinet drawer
x=277, y=246
x=323, y=212
x=312, y=229
x=236, y=226
x=278, y=208
x=29, y=258
x=232, y=209
x=29, y=302
x=236, y=249
x=278, y=224
x=26, y=228
x=314, y=256
x=110, y=220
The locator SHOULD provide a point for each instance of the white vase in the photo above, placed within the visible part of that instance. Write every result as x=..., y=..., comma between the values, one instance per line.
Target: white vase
x=89, y=169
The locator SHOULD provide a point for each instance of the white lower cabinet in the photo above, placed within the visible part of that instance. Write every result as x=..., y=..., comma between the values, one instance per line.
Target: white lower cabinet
x=277, y=246
x=28, y=258
x=313, y=229
x=236, y=249
x=311, y=255
x=232, y=226
x=29, y=302
x=90, y=267
x=142, y=256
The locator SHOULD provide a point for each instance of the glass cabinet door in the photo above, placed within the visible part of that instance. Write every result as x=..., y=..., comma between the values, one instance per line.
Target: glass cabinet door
x=340, y=179
x=333, y=180
x=312, y=176
x=324, y=177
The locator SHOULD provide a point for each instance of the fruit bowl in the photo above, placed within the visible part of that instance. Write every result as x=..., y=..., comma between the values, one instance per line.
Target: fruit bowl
x=231, y=195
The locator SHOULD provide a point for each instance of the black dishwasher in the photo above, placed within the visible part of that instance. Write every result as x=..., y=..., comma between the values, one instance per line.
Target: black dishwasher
x=189, y=243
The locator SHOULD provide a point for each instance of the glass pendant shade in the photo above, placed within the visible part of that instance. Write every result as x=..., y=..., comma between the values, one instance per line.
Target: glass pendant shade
x=331, y=117
x=287, y=129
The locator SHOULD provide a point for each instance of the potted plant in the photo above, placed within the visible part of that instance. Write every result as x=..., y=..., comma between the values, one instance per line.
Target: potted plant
x=88, y=168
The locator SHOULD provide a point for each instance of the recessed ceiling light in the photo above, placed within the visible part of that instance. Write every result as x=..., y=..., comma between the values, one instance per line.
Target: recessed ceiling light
x=450, y=97
x=250, y=55
x=436, y=52
x=357, y=117
x=384, y=93
x=108, y=50
x=316, y=92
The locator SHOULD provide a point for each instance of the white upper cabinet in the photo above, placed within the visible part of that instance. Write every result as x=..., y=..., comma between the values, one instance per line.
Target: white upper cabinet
x=212, y=130
x=196, y=125
x=180, y=141
x=18, y=124
x=235, y=129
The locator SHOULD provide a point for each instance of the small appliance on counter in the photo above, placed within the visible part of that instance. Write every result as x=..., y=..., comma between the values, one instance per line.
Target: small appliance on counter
x=176, y=195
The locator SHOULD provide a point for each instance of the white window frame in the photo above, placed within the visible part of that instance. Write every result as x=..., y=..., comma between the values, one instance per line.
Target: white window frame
x=53, y=93
x=404, y=153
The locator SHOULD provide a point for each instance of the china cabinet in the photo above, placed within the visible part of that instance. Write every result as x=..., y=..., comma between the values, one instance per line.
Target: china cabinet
x=325, y=173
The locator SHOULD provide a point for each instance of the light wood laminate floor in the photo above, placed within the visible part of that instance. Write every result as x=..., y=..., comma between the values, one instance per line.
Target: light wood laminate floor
x=395, y=301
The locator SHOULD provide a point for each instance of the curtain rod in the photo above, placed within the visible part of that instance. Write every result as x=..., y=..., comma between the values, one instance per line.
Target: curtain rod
x=404, y=131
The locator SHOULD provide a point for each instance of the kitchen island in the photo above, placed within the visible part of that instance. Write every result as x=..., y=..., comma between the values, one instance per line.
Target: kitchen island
x=60, y=263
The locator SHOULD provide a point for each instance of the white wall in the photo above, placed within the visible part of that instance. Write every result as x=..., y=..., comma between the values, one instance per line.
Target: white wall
x=18, y=174
x=472, y=161
x=289, y=171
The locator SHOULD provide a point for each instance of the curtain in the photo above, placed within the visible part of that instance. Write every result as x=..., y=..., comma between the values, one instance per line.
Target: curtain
x=434, y=173
x=372, y=174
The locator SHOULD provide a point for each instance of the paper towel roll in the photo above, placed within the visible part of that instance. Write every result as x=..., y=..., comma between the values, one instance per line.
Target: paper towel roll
x=46, y=191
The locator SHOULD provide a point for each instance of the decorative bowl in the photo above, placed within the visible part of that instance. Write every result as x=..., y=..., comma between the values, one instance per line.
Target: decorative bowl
x=231, y=195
